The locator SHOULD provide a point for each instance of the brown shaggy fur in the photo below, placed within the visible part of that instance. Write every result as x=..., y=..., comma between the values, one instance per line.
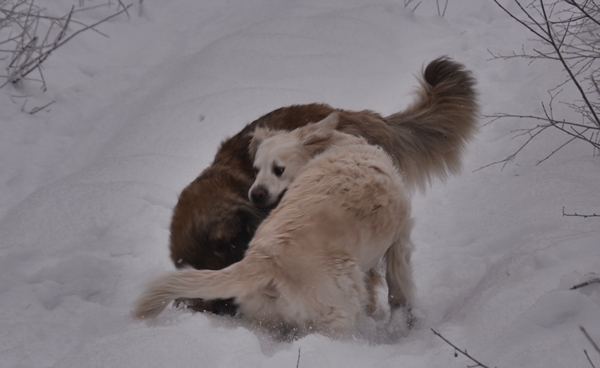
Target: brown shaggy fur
x=307, y=266
x=214, y=221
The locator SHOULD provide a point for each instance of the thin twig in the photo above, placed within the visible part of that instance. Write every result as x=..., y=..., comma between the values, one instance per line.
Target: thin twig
x=41, y=108
x=463, y=352
x=556, y=150
x=298, y=362
x=408, y=2
x=588, y=358
x=520, y=21
x=590, y=339
x=124, y=7
x=575, y=214
x=441, y=12
x=512, y=156
x=584, y=284
x=583, y=10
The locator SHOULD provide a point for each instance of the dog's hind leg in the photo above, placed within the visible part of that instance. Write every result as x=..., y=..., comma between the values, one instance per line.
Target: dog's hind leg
x=373, y=279
x=342, y=299
x=399, y=270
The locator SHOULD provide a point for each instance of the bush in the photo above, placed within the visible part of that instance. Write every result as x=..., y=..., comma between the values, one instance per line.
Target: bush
x=569, y=33
x=28, y=37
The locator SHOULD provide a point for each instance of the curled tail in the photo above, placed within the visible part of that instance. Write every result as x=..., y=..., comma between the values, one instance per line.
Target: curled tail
x=230, y=282
x=429, y=137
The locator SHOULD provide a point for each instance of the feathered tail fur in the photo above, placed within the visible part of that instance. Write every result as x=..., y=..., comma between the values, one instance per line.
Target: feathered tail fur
x=230, y=282
x=429, y=137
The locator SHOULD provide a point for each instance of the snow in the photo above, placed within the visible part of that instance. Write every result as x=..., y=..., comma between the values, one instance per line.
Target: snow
x=88, y=184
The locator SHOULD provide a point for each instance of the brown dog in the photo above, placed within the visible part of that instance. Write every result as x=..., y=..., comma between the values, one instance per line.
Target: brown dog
x=345, y=210
x=214, y=221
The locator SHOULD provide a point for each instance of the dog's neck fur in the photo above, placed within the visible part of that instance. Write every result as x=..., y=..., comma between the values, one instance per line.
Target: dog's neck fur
x=343, y=139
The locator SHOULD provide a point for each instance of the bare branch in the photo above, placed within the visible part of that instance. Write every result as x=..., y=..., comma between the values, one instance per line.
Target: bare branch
x=40, y=108
x=125, y=7
x=577, y=215
x=298, y=362
x=441, y=12
x=407, y=4
x=31, y=50
x=463, y=352
x=587, y=336
x=557, y=49
x=569, y=32
x=512, y=156
x=588, y=358
x=556, y=150
x=595, y=280
x=520, y=21
x=584, y=11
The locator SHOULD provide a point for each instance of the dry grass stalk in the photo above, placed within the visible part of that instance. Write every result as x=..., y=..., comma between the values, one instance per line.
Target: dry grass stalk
x=33, y=36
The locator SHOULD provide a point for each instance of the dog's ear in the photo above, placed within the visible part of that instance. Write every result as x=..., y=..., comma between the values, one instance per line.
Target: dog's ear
x=317, y=136
x=258, y=136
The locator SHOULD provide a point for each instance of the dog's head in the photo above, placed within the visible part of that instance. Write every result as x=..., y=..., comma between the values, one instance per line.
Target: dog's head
x=213, y=222
x=280, y=155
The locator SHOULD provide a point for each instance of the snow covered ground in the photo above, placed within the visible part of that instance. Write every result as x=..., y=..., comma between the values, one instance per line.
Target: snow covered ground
x=87, y=185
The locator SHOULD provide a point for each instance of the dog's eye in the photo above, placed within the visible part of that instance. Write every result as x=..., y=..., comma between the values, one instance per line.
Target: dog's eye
x=278, y=170
x=255, y=170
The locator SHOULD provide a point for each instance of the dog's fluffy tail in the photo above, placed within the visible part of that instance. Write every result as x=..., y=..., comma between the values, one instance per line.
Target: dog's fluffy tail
x=429, y=137
x=191, y=283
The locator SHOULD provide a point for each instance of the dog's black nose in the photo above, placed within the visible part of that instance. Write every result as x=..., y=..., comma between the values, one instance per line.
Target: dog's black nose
x=259, y=196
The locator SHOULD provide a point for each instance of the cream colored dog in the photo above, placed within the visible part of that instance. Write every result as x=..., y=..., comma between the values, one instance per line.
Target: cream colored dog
x=280, y=155
x=305, y=269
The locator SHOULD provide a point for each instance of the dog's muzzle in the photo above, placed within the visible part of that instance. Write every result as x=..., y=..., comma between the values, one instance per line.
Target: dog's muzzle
x=259, y=196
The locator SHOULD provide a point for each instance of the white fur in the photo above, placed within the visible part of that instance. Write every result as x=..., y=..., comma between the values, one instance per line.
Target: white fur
x=290, y=151
x=305, y=269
